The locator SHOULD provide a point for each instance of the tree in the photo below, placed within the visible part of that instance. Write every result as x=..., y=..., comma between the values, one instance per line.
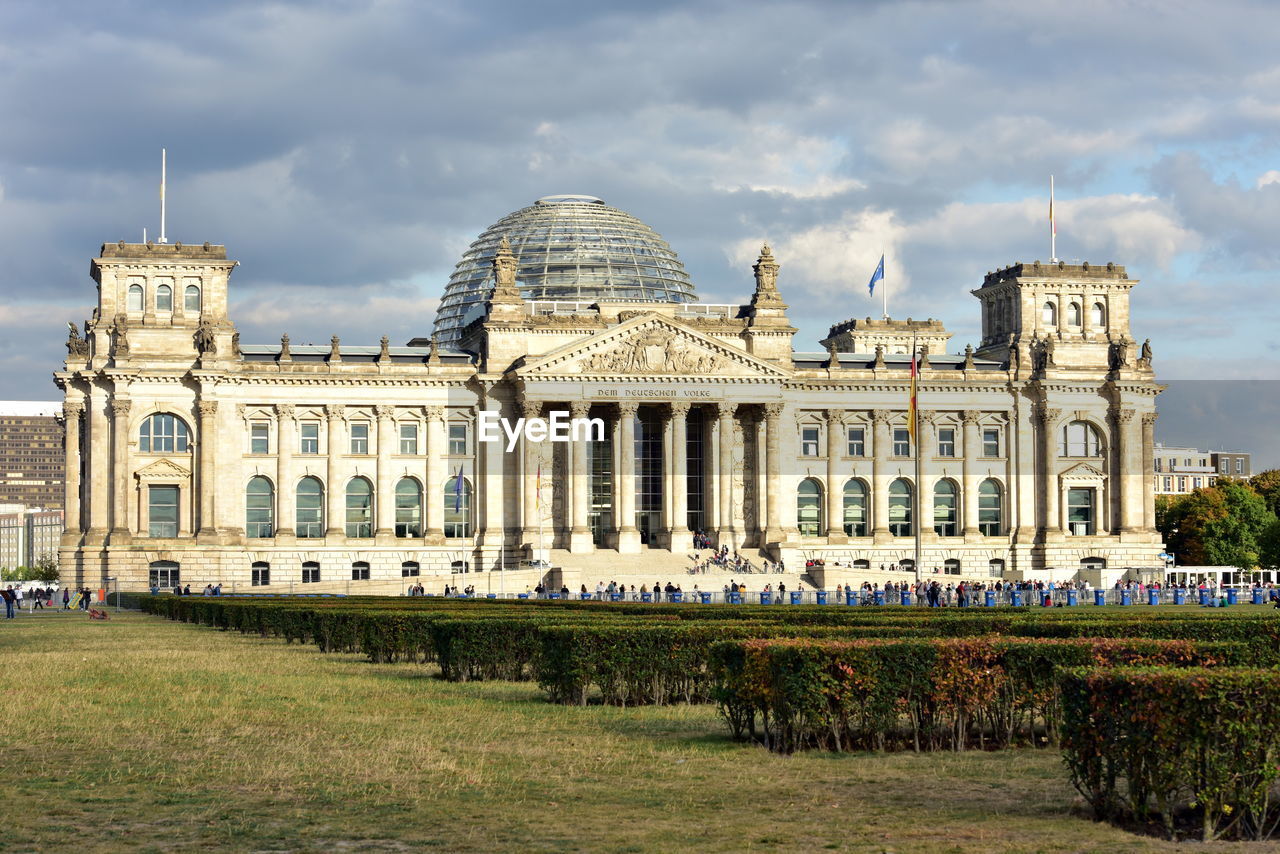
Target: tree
x=46, y=569
x=1227, y=524
x=1267, y=484
x=1270, y=545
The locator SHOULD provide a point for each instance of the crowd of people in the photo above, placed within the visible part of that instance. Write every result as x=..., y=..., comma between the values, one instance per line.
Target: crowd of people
x=724, y=558
x=41, y=598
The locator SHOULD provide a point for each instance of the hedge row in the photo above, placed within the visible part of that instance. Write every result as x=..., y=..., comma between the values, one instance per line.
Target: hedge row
x=1193, y=751
x=925, y=694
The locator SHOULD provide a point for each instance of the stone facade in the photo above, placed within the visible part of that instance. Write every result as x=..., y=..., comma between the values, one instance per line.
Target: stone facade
x=285, y=463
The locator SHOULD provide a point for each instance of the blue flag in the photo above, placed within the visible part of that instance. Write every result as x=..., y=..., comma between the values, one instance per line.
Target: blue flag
x=877, y=276
x=457, y=491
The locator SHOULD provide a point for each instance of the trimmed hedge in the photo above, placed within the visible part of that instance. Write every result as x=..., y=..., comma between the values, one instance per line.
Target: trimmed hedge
x=1194, y=749
x=925, y=694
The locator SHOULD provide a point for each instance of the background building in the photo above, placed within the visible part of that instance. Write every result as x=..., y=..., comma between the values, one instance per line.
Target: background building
x=28, y=534
x=1181, y=470
x=31, y=455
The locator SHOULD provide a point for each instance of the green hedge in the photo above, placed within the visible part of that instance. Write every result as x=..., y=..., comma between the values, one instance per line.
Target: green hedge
x=1191, y=750
x=924, y=694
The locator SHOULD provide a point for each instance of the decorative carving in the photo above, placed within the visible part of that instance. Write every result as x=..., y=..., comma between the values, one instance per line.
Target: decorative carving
x=205, y=339
x=882, y=416
x=335, y=411
x=725, y=411
x=1149, y=419
x=207, y=408
x=679, y=409
x=384, y=411
x=835, y=417
x=968, y=357
x=531, y=409
x=285, y=355
x=766, y=270
x=1144, y=360
x=579, y=409
x=924, y=357
x=1122, y=416
x=241, y=409
x=628, y=410
x=971, y=416
x=833, y=356
x=433, y=356
x=435, y=413
x=284, y=410
x=1046, y=416
x=653, y=351
x=384, y=354
x=772, y=411
x=120, y=350
x=120, y=408
x=504, y=275
x=72, y=409
x=1119, y=353
x=235, y=345
x=879, y=363
x=77, y=347
x=335, y=355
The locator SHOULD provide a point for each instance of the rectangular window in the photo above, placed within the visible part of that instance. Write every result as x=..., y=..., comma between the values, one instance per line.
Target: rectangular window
x=1197, y=482
x=164, y=576
x=901, y=443
x=946, y=442
x=1224, y=466
x=1168, y=484
x=310, y=573
x=409, y=438
x=991, y=441
x=359, y=438
x=1182, y=484
x=1203, y=462
x=809, y=441
x=458, y=439
x=857, y=442
x=1212, y=481
x=259, y=437
x=310, y=437
x=162, y=511
x=261, y=574
x=1159, y=464
x=359, y=572
x=1239, y=465
x=409, y=569
x=1080, y=512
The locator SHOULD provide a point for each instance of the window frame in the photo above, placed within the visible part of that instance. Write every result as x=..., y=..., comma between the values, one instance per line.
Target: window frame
x=949, y=526
x=259, y=437
x=404, y=527
x=809, y=508
x=163, y=528
x=810, y=440
x=901, y=438
x=260, y=574
x=848, y=501
x=311, y=572
x=989, y=527
x=358, y=438
x=947, y=442
x=255, y=527
x=362, y=526
x=458, y=446
x=1091, y=523
x=302, y=528
x=187, y=308
x=856, y=447
x=360, y=570
x=174, y=436
x=992, y=442
x=412, y=447
x=303, y=439
x=164, y=292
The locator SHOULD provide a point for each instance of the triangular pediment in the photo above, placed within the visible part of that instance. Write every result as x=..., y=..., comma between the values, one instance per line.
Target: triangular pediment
x=163, y=470
x=648, y=346
x=1083, y=471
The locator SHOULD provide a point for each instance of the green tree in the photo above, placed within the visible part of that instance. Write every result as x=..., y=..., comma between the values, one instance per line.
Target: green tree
x=1223, y=525
x=46, y=569
x=1267, y=484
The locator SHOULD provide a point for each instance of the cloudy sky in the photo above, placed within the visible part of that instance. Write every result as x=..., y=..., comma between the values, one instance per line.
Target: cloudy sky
x=347, y=152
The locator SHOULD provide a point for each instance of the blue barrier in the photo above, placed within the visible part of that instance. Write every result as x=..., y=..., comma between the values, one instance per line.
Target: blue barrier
x=906, y=597
x=1204, y=597
x=1179, y=597
x=706, y=598
x=1099, y=597
x=851, y=598
x=1126, y=597
x=735, y=598
x=1233, y=596
x=766, y=598
x=518, y=595
x=615, y=597
x=1073, y=598
x=879, y=597
x=677, y=596
x=821, y=596
x=646, y=597
x=796, y=597
x=491, y=596
x=1153, y=597
x=584, y=596
x=1015, y=598
x=1258, y=598
x=990, y=599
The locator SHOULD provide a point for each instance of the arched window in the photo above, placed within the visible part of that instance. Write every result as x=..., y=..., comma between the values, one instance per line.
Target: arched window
x=1074, y=317
x=862, y=564
x=1094, y=563
x=191, y=300
x=408, y=508
x=410, y=569
x=164, y=298
x=310, y=507
x=951, y=566
x=457, y=507
x=259, y=574
x=855, y=508
x=259, y=508
x=360, y=571
x=1098, y=316
x=990, y=508
x=134, y=300
x=164, y=573
x=1080, y=439
x=944, y=509
x=359, y=508
x=163, y=433
x=1050, y=314
x=900, y=508
x=809, y=508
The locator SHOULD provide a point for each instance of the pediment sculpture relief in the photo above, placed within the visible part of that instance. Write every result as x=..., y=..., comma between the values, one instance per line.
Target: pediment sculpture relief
x=654, y=351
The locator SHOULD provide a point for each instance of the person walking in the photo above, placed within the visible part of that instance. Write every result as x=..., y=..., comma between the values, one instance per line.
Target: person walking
x=7, y=594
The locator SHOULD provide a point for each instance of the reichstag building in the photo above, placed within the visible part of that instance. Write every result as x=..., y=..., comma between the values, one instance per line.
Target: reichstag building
x=194, y=457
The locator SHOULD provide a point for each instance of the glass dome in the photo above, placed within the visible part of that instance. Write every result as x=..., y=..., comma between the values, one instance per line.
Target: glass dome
x=569, y=248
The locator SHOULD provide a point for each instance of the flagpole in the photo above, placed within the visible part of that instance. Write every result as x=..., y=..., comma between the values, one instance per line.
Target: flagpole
x=1053, y=227
x=162, y=199
x=915, y=429
x=884, y=286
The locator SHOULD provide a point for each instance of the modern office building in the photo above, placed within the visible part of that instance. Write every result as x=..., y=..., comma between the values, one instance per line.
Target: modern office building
x=193, y=456
x=31, y=453
x=28, y=534
x=1182, y=470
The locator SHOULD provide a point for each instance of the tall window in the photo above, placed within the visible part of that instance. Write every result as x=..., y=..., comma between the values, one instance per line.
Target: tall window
x=1098, y=316
x=260, y=574
x=1080, y=511
x=944, y=509
x=259, y=437
x=855, y=508
x=310, y=508
x=995, y=568
x=1239, y=465
x=1050, y=314
x=857, y=442
x=1168, y=484
x=458, y=439
x=162, y=511
x=990, y=508
x=901, y=442
x=191, y=300
x=991, y=441
x=310, y=437
x=164, y=573
x=809, y=441
x=408, y=508
x=1159, y=464
x=809, y=508
x=1080, y=439
x=360, y=438
x=134, y=300
x=900, y=508
x=946, y=442
x=359, y=508
x=409, y=438
x=310, y=572
x=164, y=298
x=1074, y=315
x=259, y=508
x=457, y=508
x=163, y=433
x=359, y=571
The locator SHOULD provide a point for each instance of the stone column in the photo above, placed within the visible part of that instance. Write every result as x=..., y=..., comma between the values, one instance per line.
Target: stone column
x=969, y=471
x=120, y=469
x=773, y=473
x=529, y=493
x=1023, y=454
x=72, y=523
x=434, y=491
x=384, y=501
x=677, y=482
x=335, y=496
x=286, y=440
x=1046, y=423
x=881, y=445
x=580, y=541
x=1148, y=471
x=835, y=484
x=1129, y=475
x=208, y=449
x=628, y=535
x=97, y=447
x=724, y=490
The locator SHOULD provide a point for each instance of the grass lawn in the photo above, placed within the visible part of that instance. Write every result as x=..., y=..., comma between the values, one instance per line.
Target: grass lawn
x=146, y=734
